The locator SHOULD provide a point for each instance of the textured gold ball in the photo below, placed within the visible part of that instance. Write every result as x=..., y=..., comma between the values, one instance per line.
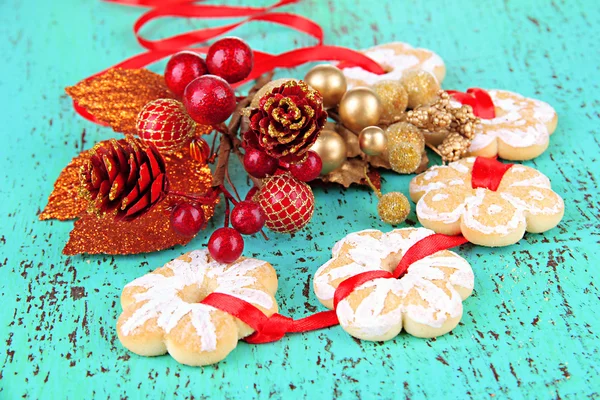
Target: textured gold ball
x=421, y=86
x=267, y=88
x=331, y=147
x=372, y=140
x=404, y=132
x=329, y=81
x=360, y=107
x=393, y=208
x=405, y=158
x=394, y=100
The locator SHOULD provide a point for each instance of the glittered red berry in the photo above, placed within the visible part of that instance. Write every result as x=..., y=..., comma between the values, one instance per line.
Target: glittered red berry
x=251, y=193
x=183, y=68
x=258, y=163
x=230, y=58
x=309, y=169
x=209, y=100
x=226, y=245
x=187, y=220
x=166, y=124
x=288, y=204
x=247, y=217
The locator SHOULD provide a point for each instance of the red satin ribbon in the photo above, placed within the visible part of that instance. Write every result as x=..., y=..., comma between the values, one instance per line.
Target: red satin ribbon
x=479, y=99
x=273, y=328
x=488, y=173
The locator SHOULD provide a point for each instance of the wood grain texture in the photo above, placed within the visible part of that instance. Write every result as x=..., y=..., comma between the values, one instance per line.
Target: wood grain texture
x=529, y=331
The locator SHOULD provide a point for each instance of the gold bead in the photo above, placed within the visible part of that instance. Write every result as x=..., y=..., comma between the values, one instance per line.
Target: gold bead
x=421, y=86
x=393, y=208
x=394, y=100
x=372, y=140
x=267, y=88
x=360, y=107
x=403, y=132
x=331, y=147
x=329, y=81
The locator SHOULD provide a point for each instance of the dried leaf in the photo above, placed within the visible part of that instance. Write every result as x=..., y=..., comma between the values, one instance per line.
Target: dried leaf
x=353, y=171
x=95, y=234
x=64, y=202
x=117, y=96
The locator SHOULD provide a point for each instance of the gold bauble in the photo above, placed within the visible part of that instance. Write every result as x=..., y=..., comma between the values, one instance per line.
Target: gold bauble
x=393, y=208
x=329, y=81
x=394, y=100
x=403, y=132
x=360, y=107
x=421, y=86
x=267, y=88
x=372, y=140
x=406, y=145
x=331, y=147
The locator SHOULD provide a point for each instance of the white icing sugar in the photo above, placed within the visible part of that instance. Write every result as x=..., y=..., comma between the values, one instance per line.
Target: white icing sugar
x=532, y=207
x=473, y=208
x=440, y=196
x=162, y=299
x=426, y=212
x=494, y=209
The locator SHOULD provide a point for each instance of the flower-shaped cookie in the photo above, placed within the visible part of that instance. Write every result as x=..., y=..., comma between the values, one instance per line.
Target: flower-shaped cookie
x=448, y=204
x=395, y=58
x=426, y=301
x=162, y=310
x=520, y=131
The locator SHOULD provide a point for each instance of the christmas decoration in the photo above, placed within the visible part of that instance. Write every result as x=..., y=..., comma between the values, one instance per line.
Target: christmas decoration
x=247, y=218
x=372, y=140
x=422, y=88
x=308, y=169
x=394, y=100
x=230, y=58
x=259, y=164
x=393, y=208
x=183, y=68
x=122, y=176
x=225, y=245
x=329, y=81
x=200, y=150
x=406, y=146
x=287, y=121
x=209, y=100
x=117, y=96
x=360, y=108
x=165, y=124
x=288, y=204
x=331, y=148
x=186, y=219
x=266, y=88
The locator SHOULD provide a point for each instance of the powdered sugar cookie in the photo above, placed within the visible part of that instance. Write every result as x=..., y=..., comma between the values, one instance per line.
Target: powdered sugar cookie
x=396, y=58
x=450, y=201
x=425, y=302
x=520, y=131
x=162, y=310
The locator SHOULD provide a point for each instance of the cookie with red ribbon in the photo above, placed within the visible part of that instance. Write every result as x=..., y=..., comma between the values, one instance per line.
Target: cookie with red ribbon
x=490, y=203
x=395, y=58
x=426, y=301
x=514, y=127
x=162, y=310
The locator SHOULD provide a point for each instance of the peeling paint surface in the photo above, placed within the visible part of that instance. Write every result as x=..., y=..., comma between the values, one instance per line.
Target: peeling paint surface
x=529, y=331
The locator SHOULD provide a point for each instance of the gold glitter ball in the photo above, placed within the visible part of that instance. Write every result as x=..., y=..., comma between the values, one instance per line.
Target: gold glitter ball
x=403, y=132
x=421, y=86
x=405, y=158
x=393, y=208
x=394, y=100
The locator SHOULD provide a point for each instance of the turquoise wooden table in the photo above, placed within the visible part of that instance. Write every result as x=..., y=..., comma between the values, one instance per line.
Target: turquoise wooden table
x=529, y=331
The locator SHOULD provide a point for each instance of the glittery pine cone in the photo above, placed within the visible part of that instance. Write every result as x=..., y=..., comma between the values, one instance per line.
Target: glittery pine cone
x=124, y=176
x=287, y=121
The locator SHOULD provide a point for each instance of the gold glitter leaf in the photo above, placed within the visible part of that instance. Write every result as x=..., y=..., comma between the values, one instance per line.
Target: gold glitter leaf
x=95, y=234
x=117, y=96
x=353, y=171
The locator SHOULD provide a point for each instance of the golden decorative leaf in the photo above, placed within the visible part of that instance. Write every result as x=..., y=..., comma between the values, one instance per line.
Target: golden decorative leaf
x=64, y=202
x=353, y=171
x=95, y=234
x=117, y=96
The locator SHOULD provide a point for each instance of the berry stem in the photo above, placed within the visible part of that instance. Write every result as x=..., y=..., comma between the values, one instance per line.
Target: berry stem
x=197, y=198
x=227, y=211
x=371, y=185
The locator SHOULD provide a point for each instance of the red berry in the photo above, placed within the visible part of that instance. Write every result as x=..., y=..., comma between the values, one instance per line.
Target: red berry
x=288, y=204
x=183, y=68
x=251, y=193
x=230, y=58
x=258, y=163
x=209, y=100
x=166, y=124
x=200, y=150
x=247, y=217
x=309, y=169
x=186, y=219
x=226, y=245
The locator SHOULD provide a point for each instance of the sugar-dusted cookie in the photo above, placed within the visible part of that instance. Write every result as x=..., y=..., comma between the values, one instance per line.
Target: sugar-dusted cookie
x=396, y=58
x=520, y=131
x=448, y=203
x=162, y=313
x=425, y=302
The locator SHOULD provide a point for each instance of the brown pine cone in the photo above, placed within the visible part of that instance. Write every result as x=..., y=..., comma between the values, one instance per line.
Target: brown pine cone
x=124, y=176
x=287, y=121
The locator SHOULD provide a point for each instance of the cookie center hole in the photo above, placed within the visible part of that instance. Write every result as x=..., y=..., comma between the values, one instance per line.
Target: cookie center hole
x=195, y=293
x=391, y=261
